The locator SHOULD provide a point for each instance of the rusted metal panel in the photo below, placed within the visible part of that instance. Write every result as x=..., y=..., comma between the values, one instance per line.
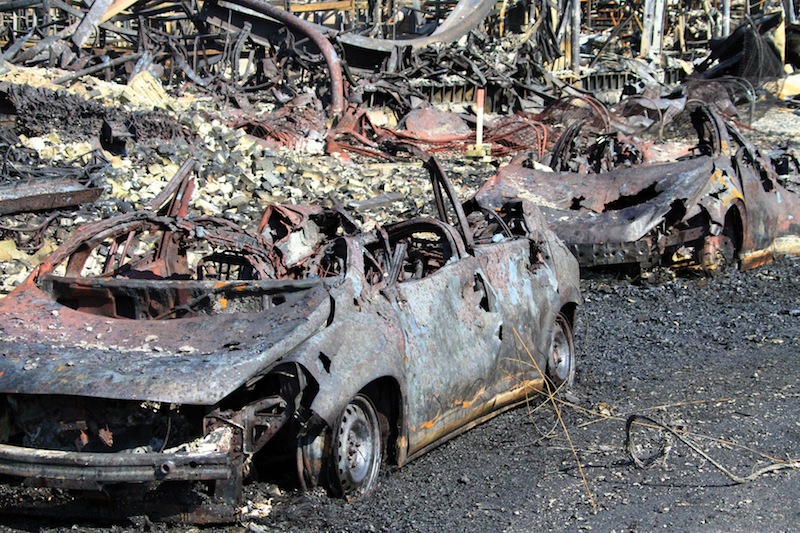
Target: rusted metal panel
x=612, y=207
x=147, y=360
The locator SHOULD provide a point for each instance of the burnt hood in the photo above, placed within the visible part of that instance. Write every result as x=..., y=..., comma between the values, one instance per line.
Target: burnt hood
x=48, y=348
x=618, y=206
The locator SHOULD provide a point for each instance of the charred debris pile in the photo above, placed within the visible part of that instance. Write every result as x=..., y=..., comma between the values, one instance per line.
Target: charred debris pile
x=102, y=102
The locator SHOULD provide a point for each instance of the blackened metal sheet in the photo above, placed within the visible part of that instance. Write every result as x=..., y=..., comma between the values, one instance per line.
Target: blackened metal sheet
x=45, y=194
x=197, y=360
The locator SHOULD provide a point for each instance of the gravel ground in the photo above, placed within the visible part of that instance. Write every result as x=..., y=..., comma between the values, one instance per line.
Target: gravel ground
x=713, y=358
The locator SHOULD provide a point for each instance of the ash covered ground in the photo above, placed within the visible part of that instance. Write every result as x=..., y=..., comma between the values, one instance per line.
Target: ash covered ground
x=714, y=358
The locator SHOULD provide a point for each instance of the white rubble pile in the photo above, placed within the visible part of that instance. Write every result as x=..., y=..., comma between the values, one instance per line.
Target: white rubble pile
x=236, y=175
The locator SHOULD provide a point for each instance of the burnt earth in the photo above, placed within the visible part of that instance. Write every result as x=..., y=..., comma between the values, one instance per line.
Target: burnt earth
x=713, y=357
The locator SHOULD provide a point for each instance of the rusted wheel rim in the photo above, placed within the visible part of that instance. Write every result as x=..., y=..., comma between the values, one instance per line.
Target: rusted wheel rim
x=357, y=448
x=562, y=364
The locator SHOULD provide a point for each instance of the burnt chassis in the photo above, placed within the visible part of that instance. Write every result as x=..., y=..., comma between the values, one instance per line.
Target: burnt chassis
x=725, y=205
x=156, y=367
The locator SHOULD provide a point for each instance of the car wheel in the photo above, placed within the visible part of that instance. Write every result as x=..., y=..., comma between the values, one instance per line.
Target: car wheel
x=561, y=366
x=356, y=451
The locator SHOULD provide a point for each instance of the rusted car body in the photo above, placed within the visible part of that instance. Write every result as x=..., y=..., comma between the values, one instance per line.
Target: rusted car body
x=163, y=352
x=724, y=204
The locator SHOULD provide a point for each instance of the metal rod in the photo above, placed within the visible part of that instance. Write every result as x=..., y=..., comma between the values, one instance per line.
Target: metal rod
x=576, y=38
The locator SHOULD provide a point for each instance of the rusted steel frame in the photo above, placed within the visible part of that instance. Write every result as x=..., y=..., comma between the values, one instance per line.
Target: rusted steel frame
x=121, y=60
x=88, y=236
x=113, y=467
x=237, y=50
x=41, y=46
x=16, y=47
x=89, y=22
x=185, y=67
x=611, y=37
x=465, y=62
x=313, y=33
x=173, y=200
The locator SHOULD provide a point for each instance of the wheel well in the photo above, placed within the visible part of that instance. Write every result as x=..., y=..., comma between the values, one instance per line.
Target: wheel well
x=385, y=395
x=570, y=311
x=734, y=227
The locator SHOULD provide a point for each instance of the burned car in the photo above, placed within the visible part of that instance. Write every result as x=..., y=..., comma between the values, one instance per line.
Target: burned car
x=722, y=204
x=163, y=354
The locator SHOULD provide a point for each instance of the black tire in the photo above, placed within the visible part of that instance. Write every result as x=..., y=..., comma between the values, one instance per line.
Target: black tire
x=356, y=451
x=561, y=363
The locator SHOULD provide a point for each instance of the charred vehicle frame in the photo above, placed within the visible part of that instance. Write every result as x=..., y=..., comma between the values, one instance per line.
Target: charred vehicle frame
x=724, y=204
x=155, y=351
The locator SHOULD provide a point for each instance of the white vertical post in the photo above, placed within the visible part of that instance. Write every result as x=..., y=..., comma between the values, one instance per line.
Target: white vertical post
x=726, y=17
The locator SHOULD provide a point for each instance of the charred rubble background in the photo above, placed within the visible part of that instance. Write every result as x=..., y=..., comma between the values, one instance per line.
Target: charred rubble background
x=110, y=99
x=109, y=105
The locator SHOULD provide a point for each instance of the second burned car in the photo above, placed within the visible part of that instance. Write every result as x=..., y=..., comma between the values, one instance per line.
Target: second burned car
x=157, y=352
x=722, y=204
